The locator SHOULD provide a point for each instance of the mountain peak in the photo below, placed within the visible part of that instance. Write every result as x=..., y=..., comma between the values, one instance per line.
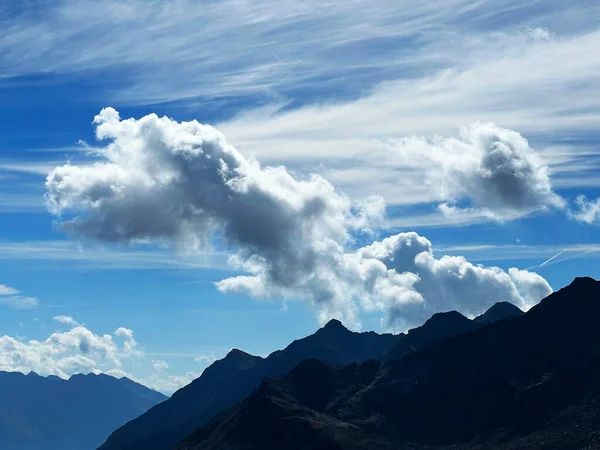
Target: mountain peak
x=583, y=281
x=444, y=318
x=237, y=353
x=334, y=324
x=238, y=358
x=499, y=311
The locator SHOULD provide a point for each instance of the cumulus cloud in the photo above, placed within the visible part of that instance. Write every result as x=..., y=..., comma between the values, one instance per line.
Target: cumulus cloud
x=65, y=353
x=159, y=365
x=80, y=350
x=7, y=290
x=9, y=296
x=587, y=211
x=294, y=237
x=129, y=344
x=67, y=320
x=401, y=277
x=182, y=182
x=492, y=168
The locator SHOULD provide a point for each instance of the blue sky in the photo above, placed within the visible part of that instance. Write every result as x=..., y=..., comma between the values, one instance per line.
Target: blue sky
x=371, y=97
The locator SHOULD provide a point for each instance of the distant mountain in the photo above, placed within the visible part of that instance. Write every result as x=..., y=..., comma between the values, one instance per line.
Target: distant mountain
x=529, y=382
x=448, y=324
x=233, y=378
x=49, y=413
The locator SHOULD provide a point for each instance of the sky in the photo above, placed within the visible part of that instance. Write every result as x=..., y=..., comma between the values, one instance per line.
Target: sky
x=179, y=178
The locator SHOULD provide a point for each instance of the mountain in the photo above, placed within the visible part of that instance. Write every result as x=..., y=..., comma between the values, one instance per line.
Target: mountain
x=529, y=382
x=233, y=378
x=444, y=325
x=499, y=311
x=49, y=413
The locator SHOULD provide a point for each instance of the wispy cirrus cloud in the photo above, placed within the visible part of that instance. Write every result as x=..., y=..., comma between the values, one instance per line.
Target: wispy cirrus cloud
x=77, y=255
x=450, y=63
x=12, y=297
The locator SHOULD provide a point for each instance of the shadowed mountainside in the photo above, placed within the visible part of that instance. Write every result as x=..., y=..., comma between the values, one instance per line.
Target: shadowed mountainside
x=49, y=413
x=529, y=382
x=233, y=378
x=448, y=324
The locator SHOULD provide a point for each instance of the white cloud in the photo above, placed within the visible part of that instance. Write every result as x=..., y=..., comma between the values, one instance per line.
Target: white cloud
x=401, y=277
x=67, y=320
x=7, y=290
x=587, y=211
x=493, y=61
x=205, y=359
x=539, y=34
x=518, y=87
x=65, y=353
x=19, y=302
x=130, y=344
x=159, y=365
x=492, y=168
x=78, y=255
x=531, y=286
x=168, y=383
x=498, y=171
x=9, y=296
x=182, y=184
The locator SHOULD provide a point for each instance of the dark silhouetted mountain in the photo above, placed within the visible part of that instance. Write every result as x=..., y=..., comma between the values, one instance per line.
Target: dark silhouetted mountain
x=529, y=382
x=39, y=413
x=499, y=311
x=236, y=376
x=444, y=325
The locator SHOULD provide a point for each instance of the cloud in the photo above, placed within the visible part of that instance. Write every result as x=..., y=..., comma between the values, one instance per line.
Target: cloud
x=159, y=365
x=65, y=353
x=293, y=236
x=80, y=350
x=587, y=211
x=130, y=344
x=9, y=297
x=492, y=168
x=205, y=359
x=401, y=277
x=539, y=34
x=531, y=286
x=182, y=183
x=7, y=290
x=168, y=383
x=19, y=302
x=77, y=256
x=67, y=320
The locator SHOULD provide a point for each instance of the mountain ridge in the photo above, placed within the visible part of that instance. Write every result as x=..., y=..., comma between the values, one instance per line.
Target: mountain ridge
x=512, y=384
x=333, y=343
x=231, y=379
x=45, y=413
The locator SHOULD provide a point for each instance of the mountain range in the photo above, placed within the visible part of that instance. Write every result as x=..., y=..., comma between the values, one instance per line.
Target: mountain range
x=505, y=380
x=233, y=378
x=230, y=380
x=49, y=413
x=529, y=382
